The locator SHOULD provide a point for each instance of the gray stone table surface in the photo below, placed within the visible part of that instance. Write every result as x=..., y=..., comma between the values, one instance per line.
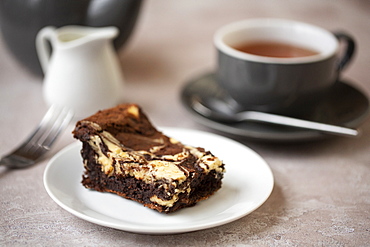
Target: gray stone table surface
x=321, y=195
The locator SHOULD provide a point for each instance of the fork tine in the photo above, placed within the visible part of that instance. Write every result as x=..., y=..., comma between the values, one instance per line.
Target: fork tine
x=64, y=118
x=51, y=125
x=39, y=130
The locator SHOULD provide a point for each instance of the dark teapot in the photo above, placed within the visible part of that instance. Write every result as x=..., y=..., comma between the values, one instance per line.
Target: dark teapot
x=20, y=21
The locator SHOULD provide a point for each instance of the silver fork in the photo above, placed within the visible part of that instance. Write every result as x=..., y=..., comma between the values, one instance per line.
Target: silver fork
x=40, y=141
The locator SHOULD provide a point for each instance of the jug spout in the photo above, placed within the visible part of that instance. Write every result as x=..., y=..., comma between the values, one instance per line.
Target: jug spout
x=106, y=33
x=77, y=35
x=71, y=36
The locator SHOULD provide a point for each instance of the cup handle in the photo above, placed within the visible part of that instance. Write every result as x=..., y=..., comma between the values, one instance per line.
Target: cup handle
x=43, y=39
x=349, y=49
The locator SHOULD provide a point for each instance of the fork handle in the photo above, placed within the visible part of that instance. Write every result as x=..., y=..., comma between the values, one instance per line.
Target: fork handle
x=15, y=162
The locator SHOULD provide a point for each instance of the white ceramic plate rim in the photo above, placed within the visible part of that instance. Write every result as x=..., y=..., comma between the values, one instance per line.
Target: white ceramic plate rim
x=247, y=184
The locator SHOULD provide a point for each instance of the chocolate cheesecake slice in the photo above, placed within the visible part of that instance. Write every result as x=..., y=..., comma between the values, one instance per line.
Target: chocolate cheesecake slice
x=123, y=153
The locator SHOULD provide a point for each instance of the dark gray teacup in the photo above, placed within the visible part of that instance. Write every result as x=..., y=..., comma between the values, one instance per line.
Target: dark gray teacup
x=258, y=79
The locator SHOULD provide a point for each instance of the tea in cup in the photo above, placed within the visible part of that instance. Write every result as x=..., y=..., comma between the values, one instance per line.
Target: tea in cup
x=277, y=65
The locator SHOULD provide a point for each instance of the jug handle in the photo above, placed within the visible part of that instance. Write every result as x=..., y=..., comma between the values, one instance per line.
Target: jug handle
x=43, y=40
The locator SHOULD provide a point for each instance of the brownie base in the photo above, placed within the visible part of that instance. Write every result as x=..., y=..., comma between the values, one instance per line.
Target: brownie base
x=203, y=186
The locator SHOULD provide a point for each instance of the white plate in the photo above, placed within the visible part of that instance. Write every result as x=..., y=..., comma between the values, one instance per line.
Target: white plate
x=247, y=184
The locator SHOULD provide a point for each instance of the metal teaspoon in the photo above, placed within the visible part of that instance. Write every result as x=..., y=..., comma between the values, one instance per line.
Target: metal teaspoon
x=208, y=112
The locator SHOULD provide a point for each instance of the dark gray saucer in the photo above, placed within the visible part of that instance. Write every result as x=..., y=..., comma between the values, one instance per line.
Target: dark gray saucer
x=344, y=105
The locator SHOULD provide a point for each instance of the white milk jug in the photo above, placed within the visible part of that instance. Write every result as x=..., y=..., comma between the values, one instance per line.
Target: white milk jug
x=81, y=70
